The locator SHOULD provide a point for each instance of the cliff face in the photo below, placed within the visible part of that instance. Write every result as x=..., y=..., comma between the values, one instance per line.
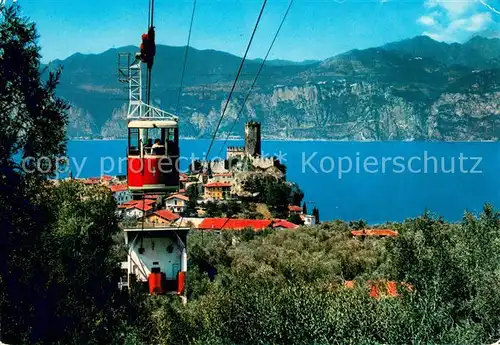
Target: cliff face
x=415, y=89
x=457, y=116
x=361, y=111
x=80, y=123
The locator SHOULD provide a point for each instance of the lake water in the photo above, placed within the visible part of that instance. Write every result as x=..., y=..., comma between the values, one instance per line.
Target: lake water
x=386, y=180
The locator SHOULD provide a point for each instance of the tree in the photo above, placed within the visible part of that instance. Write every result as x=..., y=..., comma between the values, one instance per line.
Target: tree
x=304, y=208
x=295, y=219
x=33, y=131
x=195, y=167
x=296, y=194
x=212, y=209
x=281, y=167
x=81, y=261
x=315, y=213
x=231, y=208
x=193, y=194
x=358, y=224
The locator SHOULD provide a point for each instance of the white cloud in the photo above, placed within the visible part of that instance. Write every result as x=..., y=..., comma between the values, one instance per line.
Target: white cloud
x=453, y=8
x=435, y=36
x=456, y=28
x=457, y=24
x=426, y=20
x=479, y=22
x=456, y=8
x=455, y=20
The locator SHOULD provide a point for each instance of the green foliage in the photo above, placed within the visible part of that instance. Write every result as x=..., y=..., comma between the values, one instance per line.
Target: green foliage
x=454, y=265
x=68, y=290
x=295, y=219
x=315, y=213
x=248, y=210
x=281, y=167
x=285, y=287
x=58, y=258
x=212, y=209
x=193, y=193
x=227, y=208
x=296, y=194
x=274, y=192
x=358, y=224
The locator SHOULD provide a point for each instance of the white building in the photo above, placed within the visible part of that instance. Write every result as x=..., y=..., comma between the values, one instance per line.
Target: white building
x=176, y=203
x=137, y=209
x=308, y=219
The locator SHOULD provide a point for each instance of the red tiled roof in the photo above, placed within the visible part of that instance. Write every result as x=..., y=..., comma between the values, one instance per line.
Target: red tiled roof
x=166, y=214
x=106, y=178
x=218, y=184
x=118, y=188
x=213, y=223
x=151, y=197
x=91, y=181
x=143, y=206
x=349, y=284
x=240, y=224
x=294, y=208
x=182, y=190
x=374, y=232
x=228, y=174
x=387, y=288
x=234, y=224
x=178, y=196
x=279, y=223
x=130, y=202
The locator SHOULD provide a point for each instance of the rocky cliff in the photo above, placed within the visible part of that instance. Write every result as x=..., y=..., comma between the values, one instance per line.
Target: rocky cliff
x=415, y=89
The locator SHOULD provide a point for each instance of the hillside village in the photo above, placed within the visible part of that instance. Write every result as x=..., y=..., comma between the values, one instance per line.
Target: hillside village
x=220, y=195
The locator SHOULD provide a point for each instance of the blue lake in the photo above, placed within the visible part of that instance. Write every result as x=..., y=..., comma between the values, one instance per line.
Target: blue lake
x=376, y=181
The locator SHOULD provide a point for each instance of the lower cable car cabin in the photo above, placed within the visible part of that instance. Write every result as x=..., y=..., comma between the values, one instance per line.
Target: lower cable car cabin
x=153, y=156
x=157, y=258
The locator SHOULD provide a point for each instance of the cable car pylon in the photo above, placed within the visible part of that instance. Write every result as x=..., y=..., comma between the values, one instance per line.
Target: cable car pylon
x=153, y=134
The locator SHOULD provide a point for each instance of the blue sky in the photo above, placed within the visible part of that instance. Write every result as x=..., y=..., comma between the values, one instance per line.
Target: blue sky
x=314, y=29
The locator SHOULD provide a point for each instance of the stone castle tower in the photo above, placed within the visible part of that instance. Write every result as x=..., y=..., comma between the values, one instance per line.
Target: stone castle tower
x=252, y=139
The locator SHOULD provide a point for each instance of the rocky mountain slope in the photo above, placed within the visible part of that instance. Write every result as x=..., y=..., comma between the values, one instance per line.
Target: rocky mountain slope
x=416, y=89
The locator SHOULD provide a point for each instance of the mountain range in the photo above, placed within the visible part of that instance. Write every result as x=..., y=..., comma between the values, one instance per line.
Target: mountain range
x=415, y=89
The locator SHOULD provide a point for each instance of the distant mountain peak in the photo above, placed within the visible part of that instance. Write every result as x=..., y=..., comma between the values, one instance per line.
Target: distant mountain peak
x=478, y=52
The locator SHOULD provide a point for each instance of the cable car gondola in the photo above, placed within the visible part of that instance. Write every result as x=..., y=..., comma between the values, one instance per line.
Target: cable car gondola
x=152, y=157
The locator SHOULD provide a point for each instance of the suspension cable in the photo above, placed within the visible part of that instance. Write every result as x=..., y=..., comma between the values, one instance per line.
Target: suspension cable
x=149, y=13
x=235, y=81
x=152, y=12
x=148, y=75
x=256, y=77
x=185, y=58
